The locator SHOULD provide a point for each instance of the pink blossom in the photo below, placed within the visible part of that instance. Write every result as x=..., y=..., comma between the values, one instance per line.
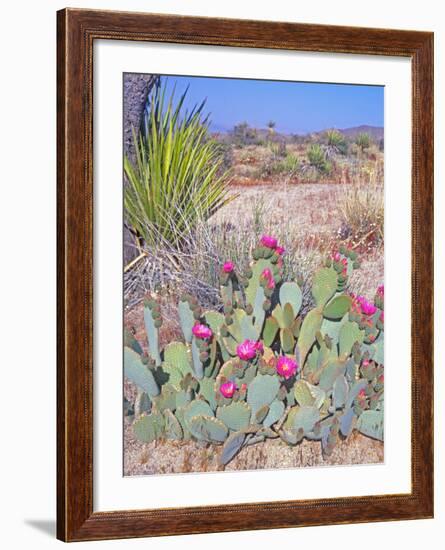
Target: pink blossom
x=286, y=367
x=366, y=307
x=228, y=389
x=365, y=363
x=268, y=241
x=259, y=347
x=266, y=273
x=248, y=349
x=202, y=331
x=280, y=250
x=271, y=283
x=336, y=256
x=381, y=291
x=362, y=394
x=228, y=267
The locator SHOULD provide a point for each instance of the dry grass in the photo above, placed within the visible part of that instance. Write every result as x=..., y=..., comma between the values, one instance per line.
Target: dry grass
x=362, y=211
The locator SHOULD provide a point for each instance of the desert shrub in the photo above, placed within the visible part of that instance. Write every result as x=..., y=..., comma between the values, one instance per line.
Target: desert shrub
x=243, y=135
x=271, y=126
x=261, y=368
x=336, y=143
x=289, y=165
x=363, y=140
x=362, y=211
x=278, y=148
x=177, y=176
x=317, y=158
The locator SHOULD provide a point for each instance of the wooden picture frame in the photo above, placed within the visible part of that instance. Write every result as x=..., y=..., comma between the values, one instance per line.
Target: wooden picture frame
x=76, y=32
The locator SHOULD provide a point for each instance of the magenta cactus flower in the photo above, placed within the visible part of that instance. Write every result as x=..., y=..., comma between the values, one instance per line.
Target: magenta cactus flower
x=280, y=250
x=266, y=273
x=202, y=331
x=228, y=389
x=366, y=307
x=228, y=267
x=336, y=256
x=286, y=367
x=248, y=349
x=268, y=241
x=381, y=291
x=259, y=347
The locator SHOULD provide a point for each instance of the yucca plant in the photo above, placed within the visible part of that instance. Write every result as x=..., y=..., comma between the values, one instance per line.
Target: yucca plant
x=363, y=140
x=335, y=143
x=317, y=158
x=177, y=177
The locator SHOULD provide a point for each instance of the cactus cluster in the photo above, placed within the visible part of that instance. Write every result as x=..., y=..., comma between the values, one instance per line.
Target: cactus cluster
x=257, y=369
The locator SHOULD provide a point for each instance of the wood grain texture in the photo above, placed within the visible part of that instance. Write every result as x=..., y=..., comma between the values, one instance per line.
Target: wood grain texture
x=77, y=30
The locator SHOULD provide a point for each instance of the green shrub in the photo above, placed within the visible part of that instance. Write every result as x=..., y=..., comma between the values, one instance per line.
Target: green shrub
x=336, y=142
x=317, y=158
x=177, y=176
x=363, y=140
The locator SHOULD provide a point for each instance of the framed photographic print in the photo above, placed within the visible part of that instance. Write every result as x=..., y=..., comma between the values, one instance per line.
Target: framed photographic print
x=245, y=229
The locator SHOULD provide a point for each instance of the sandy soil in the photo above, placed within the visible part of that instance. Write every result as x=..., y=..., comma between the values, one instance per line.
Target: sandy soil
x=168, y=457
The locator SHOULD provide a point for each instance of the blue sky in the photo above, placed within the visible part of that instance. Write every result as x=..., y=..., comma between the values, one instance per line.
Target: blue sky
x=296, y=107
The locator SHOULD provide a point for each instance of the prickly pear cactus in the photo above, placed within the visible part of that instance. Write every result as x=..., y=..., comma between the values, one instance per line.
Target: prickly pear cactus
x=259, y=368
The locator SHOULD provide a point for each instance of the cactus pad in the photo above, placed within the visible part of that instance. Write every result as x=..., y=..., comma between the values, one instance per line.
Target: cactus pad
x=276, y=411
x=311, y=325
x=262, y=391
x=371, y=423
x=349, y=334
x=324, y=285
x=172, y=427
x=337, y=308
x=308, y=395
x=339, y=392
x=149, y=427
x=303, y=418
x=207, y=428
x=232, y=447
x=152, y=335
x=235, y=416
x=139, y=373
x=290, y=293
x=186, y=319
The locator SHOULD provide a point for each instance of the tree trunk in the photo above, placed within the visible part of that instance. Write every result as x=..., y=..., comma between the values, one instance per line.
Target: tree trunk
x=136, y=90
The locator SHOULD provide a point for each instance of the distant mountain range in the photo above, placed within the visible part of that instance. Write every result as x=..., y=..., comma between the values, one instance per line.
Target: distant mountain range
x=376, y=132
